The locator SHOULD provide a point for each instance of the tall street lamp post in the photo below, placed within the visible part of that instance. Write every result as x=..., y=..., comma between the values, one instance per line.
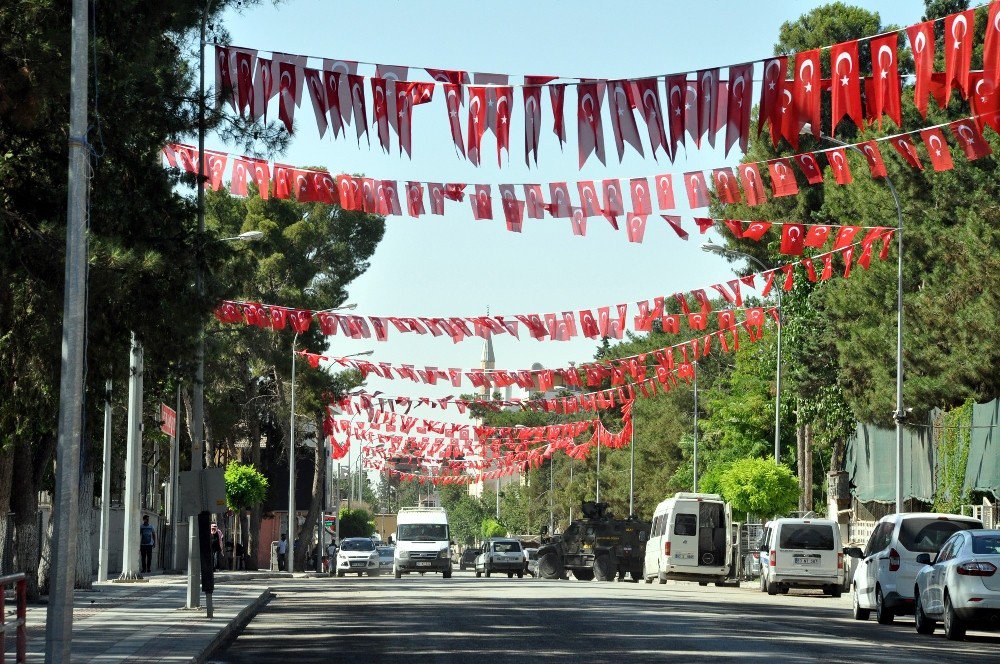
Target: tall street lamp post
x=899, y=416
x=730, y=253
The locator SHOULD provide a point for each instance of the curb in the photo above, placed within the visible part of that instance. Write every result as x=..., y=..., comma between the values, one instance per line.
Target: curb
x=229, y=577
x=235, y=626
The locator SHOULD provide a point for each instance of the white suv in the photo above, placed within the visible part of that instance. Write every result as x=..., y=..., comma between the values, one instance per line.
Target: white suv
x=884, y=577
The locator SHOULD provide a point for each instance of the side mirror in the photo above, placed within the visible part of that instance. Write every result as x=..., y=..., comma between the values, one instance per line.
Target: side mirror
x=924, y=559
x=643, y=536
x=853, y=552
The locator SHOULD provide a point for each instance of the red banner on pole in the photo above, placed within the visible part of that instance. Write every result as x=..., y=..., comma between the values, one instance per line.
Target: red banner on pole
x=168, y=420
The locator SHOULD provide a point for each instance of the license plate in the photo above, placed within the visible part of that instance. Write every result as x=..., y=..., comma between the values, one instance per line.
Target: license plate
x=357, y=564
x=806, y=560
x=423, y=564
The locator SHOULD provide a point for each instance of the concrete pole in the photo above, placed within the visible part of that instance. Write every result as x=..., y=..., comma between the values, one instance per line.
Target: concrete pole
x=598, y=497
x=59, y=614
x=175, y=500
x=194, y=565
x=102, y=554
x=631, y=467
x=552, y=514
x=133, y=467
x=777, y=389
x=695, y=455
x=336, y=525
x=291, y=467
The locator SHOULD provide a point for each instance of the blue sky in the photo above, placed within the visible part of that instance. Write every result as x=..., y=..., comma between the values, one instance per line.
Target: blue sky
x=456, y=266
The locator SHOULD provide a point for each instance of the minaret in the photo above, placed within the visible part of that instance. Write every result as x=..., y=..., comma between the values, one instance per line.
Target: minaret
x=489, y=361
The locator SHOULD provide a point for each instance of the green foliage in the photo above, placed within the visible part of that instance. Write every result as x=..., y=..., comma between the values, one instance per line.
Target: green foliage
x=465, y=513
x=245, y=486
x=954, y=437
x=492, y=528
x=760, y=487
x=356, y=523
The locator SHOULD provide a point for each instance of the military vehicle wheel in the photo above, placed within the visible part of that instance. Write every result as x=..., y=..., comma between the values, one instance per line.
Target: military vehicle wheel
x=550, y=566
x=603, y=569
x=478, y=574
x=447, y=573
x=487, y=572
x=510, y=575
x=583, y=574
x=520, y=575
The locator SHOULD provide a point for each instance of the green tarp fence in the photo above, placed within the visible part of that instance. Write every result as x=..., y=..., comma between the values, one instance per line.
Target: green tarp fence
x=871, y=458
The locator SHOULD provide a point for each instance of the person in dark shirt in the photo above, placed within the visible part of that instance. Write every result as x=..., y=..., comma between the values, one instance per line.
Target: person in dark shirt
x=147, y=540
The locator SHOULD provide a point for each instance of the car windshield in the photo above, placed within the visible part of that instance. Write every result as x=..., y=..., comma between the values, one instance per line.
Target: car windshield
x=929, y=535
x=506, y=547
x=986, y=544
x=423, y=532
x=358, y=545
x=385, y=551
x=808, y=536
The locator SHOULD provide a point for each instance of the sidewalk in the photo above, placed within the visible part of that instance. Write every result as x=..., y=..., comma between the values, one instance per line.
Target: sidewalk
x=146, y=622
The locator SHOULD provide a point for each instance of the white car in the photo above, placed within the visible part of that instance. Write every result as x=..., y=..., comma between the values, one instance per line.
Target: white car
x=357, y=555
x=885, y=574
x=961, y=586
x=501, y=554
x=801, y=553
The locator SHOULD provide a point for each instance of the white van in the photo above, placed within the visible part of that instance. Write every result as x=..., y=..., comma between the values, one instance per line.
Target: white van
x=423, y=542
x=801, y=553
x=689, y=539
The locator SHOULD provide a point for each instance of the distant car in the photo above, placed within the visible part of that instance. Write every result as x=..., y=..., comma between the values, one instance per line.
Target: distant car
x=886, y=572
x=501, y=555
x=531, y=555
x=801, y=553
x=960, y=586
x=385, y=555
x=468, y=558
x=357, y=555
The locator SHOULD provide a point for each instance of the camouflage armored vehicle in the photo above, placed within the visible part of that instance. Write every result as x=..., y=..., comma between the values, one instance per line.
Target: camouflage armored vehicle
x=597, y=546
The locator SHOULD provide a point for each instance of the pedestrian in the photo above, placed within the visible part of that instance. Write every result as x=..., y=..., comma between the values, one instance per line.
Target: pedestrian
x=282, y=552
x=216, y=547
x=147, y=540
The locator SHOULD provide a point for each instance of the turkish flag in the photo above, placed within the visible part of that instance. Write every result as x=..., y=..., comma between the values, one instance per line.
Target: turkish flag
x=635, y=227
x=845, y=88
x=289, y=94
x=557, y=96
x=664, y=191
x=845, y=236
x=771, y=95
x=560, y=203
x=991, y=47
x=578, y=222
x=937, y=149
x=810, y=167
x=589, y=203
x=984, y=102
x=753, y=185
x=326, y=188
x=225, y=75
x=613, y=203
x=646, y=98
x=408, y=95
x=482, y=202
x=810, y=269
x=807, y=90
x=317, y=92
x=958, y=29
x=534, y=202
x=477, y=123
x=970, y=138
x=623, y=126
x=414, y=199
x=390, y=197
x=244, y=61
x=241, y=170
x=283, y=181
x=589, y=129
x=792, y=236
x=640, y=196
x=740, y=100
x=676, y=91
x=675, y=223
x=874, y=157
x=886, y=77
x=453, y=97
x=513, y=209
x=697, y=190
x=588, y=324
x=380, y=110
x=504, y=101
x=726, y=187
x=356, y=85
x=756, y=229
x=837, y=158
x=532, y=94
x=817, y=236
x=704, y=223
x=904, y=146
x=782, y=178
x=332, y=88
x=435, y=193
x=263, y=88
x=922, y=48
x=692, y=110
x=345, y=186
x=708, y=108
x=789, y=271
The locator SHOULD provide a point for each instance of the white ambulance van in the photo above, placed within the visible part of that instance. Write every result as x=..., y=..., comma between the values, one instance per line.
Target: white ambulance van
x=689, y=539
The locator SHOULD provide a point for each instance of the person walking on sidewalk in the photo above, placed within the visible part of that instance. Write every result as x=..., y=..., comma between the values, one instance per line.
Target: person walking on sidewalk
x=147, y=540
x=282, y=552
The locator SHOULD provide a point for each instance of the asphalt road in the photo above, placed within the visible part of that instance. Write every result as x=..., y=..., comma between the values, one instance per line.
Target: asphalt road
x=464, y=618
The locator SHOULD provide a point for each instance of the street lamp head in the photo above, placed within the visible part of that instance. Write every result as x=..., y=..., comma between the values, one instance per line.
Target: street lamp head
x=250, y=236
x=362, y=353
x=712, y=248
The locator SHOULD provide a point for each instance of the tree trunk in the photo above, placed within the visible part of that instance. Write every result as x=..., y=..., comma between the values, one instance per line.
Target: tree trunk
x=800, y=435
x=6, y=524
x=303, y=546
x=809, y=467
x=24, y=503
x=84, y=549
x=45, y=561
x=252, y=540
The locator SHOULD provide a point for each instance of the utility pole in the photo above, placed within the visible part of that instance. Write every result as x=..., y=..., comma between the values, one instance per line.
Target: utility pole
x=695, y=455
x=552, y=514
x=175, y=499
x=102, y=552
x=133, y=466
x=59, y=614
x=598, y=497
x=631, y=465
x=291, y=467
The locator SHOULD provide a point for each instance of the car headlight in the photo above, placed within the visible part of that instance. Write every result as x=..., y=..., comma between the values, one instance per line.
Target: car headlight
x=373, y=558
x=403, y=554
x=444, y=553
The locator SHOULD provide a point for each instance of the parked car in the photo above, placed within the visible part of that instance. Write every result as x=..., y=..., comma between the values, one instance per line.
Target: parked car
x=468, y=558
x=423, y=542
x=357, y=554
x=385, y=555
x=500, y=554
x=689, y=540
x=887, y=570
x=960, y=586
x=801, y=553
x=531, y=558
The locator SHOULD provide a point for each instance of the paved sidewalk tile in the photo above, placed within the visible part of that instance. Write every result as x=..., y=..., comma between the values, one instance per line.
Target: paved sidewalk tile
x=143, y=622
